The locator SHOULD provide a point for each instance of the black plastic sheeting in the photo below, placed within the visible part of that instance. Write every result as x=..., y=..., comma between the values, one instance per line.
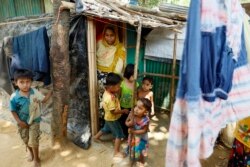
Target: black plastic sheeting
x=79, y=110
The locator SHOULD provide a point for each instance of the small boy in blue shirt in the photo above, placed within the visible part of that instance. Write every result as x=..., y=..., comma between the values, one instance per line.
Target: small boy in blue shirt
x=24, y=106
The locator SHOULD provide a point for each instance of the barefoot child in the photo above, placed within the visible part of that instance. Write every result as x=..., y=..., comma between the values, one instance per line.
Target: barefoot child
x=24, y=103
x=113, y=112
x=146, y=92
x=138, y=123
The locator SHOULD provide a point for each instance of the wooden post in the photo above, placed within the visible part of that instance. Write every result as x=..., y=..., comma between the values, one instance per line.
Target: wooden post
x=134, y=97
x=172, y=89
x=59, y=54
x=137, y=51
x=93, y=92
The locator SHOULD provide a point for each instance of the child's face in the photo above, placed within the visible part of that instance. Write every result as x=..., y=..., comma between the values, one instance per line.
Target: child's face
x=140, y=110
x=114, y=88
x=146, y=85
x=109, y=36
x=24, y=84
x=131, y=79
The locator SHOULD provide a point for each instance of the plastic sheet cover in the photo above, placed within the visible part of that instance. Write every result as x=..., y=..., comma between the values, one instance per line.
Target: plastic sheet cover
x=79, y=110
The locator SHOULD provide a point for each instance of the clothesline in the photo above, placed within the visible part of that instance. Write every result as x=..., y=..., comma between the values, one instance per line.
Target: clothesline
x=31, y=20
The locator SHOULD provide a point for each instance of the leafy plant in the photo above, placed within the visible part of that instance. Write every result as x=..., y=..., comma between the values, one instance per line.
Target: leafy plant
x=153, y=3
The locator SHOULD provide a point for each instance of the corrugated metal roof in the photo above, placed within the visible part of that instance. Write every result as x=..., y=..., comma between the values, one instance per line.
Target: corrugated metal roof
x=113, y=10
x=7, y=9
x=172, y=8
x=28, y=7
x=14, y=8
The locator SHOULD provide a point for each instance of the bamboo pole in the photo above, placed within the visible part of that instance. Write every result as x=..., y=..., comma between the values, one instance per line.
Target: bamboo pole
x=159, y=75
x=172, y=90
x=137, y=51
x=134, y=96
x=93, y=93
x=68, y=5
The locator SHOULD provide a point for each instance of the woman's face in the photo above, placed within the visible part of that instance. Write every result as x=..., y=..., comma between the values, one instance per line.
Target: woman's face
x=109, y=36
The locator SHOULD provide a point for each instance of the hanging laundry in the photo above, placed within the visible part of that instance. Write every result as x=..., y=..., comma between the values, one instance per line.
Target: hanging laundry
x=214, y=85
x=247, y=34
x=31, y=51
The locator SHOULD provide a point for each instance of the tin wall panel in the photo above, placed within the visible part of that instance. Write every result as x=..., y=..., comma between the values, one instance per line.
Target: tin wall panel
x=14, y=8
x=161, y=85
x=28, y=7
x=7, y=9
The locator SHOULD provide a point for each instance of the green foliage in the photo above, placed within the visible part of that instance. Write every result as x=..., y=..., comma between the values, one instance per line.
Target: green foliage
x=149, y=3
x=153, y=3
x=179, y=2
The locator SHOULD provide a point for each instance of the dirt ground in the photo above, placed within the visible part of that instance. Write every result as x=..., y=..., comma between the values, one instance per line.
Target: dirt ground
x=98, y=155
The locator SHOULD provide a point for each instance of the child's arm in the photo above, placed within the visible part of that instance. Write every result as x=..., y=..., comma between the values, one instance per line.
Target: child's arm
x=152, y=102
x=119, y=93
x=138, y=93
x=21, y=123
x=139, y=132
x=130, y=121
x=13, y=109
x=48, y=95
x=123, y=111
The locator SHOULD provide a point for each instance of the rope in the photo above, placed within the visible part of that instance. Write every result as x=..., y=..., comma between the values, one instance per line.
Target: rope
x=28, y=20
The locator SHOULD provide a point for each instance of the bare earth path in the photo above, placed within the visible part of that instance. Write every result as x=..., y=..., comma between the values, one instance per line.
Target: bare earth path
x=98, y=155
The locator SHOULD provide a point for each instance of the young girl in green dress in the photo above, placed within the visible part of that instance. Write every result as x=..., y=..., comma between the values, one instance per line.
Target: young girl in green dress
x=126, y=99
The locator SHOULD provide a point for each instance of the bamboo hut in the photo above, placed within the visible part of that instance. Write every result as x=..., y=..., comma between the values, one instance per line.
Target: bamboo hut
x=134, y=23
x=136, y=17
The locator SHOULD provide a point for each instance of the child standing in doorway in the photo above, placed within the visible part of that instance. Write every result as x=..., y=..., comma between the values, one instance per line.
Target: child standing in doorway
x=126, y=94
x=146, y=92
x=24, y=106
x=113, y=112
x=138, y=123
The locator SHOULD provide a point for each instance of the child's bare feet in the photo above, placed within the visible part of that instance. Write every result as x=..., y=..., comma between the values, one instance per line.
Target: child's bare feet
x=139, y=164
x=30, y=158
x=31, y=155
x=119, y=155
x=37, y=163
x=97, y=140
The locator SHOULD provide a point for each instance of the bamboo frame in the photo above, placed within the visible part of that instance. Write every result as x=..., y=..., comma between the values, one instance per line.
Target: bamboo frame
x=93, y=92
x=173, y=77
x=160, y=75
x=92, y=65
x=172, y=89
